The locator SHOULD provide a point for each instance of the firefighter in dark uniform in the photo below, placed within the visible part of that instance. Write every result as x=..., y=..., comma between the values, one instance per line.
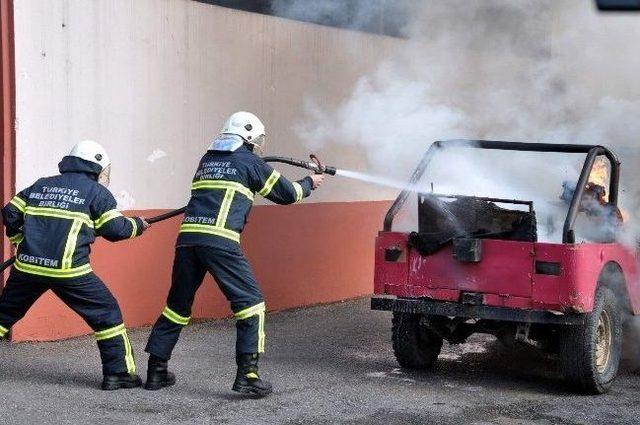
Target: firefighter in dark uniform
x=52, y=223
x=222, y=193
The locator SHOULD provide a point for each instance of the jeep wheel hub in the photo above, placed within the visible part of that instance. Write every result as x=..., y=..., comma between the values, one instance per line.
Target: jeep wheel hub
x=603, y=342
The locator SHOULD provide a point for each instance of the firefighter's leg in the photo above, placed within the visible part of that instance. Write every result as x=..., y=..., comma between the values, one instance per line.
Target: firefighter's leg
x=187, y=277
x=90, y=298
x=233, y=274
x=18, y=295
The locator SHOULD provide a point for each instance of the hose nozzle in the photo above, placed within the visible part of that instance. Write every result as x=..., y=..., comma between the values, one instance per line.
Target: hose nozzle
x=330, y=170
x=319, y=167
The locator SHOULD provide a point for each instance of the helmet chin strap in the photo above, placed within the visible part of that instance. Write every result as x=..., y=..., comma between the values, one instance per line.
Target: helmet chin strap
x=258, y=144
x=104, y=178
x=253, y=147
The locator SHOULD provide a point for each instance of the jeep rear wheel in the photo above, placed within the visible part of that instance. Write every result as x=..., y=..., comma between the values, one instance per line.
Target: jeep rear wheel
x=415, y=346
x=590, y=353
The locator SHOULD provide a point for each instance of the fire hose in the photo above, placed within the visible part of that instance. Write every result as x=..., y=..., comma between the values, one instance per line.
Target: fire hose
x=314, y=165
x=150, y=220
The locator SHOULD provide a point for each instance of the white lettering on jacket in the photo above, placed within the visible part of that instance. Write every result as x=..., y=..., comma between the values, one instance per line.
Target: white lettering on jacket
x=57, y=197
x=215, y=170
x=40, y=261
x=199, y=220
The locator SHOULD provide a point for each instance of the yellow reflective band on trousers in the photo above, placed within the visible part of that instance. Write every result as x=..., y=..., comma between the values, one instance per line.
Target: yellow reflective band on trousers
x=70, y=246
x=299, y=191
x=256, y=310
x=222, y=185
x=271, y=181
x=134, y=232
x=113, y=332
x=49, y=272
x=262, y=337
x=3, y=331
x=109, y=215
x=225, y=207
x=210, y=229
x=109, y=333
x=56, y=213
x=19, y=203
x=175, y=317
x=250, y=311
x=128, y=353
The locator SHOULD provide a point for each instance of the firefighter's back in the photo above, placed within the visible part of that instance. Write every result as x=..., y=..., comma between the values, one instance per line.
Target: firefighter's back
x=57, y=222
x=221, y=198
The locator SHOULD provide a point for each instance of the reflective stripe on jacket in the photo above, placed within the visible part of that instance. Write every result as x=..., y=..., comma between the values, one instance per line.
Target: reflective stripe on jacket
x=54, y=221
x=222, y=194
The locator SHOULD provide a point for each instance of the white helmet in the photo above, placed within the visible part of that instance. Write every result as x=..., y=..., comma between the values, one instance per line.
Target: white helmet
x=247, y=126
x=92, y=152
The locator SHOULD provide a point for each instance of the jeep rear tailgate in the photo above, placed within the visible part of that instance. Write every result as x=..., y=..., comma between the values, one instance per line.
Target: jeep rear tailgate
x=504, y=269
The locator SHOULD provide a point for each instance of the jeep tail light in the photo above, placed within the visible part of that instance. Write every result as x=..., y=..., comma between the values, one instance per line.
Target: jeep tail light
x=395, y=254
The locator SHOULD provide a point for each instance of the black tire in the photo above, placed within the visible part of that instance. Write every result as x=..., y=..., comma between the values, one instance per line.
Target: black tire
x=415, y=346
x=578, y=359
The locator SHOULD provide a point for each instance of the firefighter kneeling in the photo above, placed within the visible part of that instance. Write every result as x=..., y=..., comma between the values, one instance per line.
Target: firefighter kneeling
x=52, y=223
x=222, y=194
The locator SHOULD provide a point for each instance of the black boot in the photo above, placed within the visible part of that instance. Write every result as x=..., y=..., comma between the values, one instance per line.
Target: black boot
x=158, y=376
x=121, y=380
x=247, y=379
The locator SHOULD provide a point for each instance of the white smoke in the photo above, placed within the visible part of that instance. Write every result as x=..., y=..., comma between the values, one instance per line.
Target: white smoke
x=531, y=70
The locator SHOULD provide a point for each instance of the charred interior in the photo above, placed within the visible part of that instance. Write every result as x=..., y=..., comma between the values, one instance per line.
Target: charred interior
x=443, y=218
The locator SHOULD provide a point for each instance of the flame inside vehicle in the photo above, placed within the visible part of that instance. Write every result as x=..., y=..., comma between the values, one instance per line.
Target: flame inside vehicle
x=595, y=201
x=600, y=173
x=597, y=187
x=599, y=179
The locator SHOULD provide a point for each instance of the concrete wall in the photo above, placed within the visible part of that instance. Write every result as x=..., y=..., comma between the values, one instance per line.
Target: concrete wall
x=145, y=76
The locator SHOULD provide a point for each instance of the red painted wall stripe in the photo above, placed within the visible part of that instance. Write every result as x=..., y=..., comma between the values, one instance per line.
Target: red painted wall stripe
x=301, y=254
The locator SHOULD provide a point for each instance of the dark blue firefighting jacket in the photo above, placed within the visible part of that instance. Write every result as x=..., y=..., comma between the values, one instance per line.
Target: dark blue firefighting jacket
x=54, y=221
x=222, y=194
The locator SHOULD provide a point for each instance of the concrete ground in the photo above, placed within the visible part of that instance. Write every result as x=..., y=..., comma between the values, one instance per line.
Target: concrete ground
x=329, y=364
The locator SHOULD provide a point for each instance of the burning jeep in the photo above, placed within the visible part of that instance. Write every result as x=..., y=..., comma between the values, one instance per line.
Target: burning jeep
x=474, y=264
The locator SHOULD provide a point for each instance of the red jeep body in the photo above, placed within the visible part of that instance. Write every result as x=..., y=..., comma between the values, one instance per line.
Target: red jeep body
x=480, y=268
x=506, y=275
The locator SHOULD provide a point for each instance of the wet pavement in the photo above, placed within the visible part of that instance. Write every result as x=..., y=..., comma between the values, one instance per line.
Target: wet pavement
x=329, y=364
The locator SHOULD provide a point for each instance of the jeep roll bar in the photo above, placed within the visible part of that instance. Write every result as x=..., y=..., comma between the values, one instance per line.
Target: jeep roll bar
x=592, y=152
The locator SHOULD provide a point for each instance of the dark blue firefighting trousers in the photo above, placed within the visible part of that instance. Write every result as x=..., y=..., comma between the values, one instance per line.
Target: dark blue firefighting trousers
x=86, y=295
x=231, y=271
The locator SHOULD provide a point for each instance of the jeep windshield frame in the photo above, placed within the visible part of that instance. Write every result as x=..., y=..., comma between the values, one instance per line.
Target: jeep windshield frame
x=592, y=153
